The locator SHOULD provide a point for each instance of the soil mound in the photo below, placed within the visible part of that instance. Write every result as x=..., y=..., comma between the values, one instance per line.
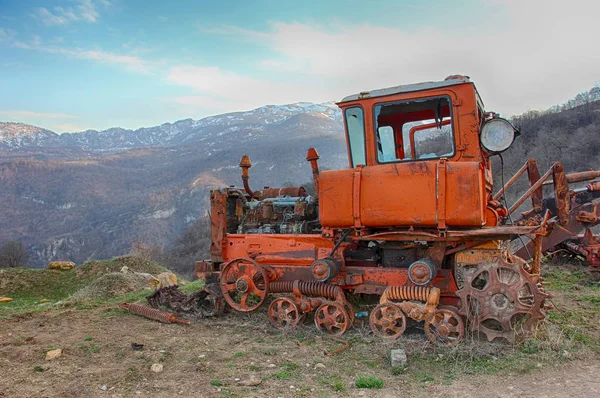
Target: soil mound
x=113, y=284
x=97, y=268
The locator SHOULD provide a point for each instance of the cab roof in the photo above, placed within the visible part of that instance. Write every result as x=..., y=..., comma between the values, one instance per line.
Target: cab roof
x=408, y=88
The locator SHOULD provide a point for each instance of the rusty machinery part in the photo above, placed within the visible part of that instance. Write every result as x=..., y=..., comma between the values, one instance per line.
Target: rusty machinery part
x=325, y=269
x=396, y=293
x=201, y=304
x=284, y=313
x=309, y=288
x=312, y=156
x=408, y=298
x=152, y=313
x=387, y=320
x=313, y=289
x=332, y=318
x=445, y=326
x=244, y=284
x=501, y=300
x=421, y=272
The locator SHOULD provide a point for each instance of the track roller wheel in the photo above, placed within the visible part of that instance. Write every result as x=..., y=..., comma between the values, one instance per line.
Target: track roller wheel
x=332, y=318
x=284, y=313
x=244, y=284
x=387, y=320
x=445, y=327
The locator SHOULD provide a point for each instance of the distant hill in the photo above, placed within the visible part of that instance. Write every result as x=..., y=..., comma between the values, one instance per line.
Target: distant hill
x=92, y=194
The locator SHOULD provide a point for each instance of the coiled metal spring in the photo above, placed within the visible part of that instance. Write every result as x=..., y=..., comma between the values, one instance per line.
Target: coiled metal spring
x=417, y=293
x=151, y=313
x=309, y=288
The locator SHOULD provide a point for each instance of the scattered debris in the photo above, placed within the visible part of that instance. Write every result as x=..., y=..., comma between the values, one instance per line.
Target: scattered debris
x=164, y=279
x=251, y=382
x=204, y=303
x=5, y=299
x=53, y=354
x=398, y=358
x=151, y=313
x=320, y=366
x=43, y=301
x=62, y=265
x=346, y=345
x=156, y=367
x=103, y=387
x=137, y=347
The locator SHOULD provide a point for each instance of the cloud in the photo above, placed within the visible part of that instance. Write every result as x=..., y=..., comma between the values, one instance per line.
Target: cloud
x=130, y=62
x=85, y=11
x=223, y=91
x=523, y=55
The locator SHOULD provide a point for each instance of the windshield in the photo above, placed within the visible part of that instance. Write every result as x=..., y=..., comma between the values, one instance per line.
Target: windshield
x=413, y=130
x=355, y=127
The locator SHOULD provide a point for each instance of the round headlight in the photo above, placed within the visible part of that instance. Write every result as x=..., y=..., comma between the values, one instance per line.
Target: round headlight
x=497, y=135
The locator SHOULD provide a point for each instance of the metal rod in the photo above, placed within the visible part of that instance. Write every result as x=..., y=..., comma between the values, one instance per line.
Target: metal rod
x=512, y=180
x=530, y=191
x=578, y=177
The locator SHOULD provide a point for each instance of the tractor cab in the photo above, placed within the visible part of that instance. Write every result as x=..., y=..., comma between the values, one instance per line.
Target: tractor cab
x=419, y=157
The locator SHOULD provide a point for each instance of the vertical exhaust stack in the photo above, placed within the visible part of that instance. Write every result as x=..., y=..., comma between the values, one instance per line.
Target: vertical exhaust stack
x=245, y=164
x=313, y=156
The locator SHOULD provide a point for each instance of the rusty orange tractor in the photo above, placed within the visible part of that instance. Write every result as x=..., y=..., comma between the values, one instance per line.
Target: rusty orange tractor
x=413, y=220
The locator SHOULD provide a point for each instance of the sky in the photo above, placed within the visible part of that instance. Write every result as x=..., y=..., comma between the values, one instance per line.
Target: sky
x=73, y=65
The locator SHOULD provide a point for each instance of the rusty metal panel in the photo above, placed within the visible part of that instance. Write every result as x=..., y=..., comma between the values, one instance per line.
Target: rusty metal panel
x=403, y=194
x=406, y=88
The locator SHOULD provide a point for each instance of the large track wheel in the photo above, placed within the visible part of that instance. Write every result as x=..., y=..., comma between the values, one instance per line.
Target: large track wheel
x=445, y=326
x=502, y=300
x=244, y=284
x=284, y=313
x=387, y=320
x=332, y=318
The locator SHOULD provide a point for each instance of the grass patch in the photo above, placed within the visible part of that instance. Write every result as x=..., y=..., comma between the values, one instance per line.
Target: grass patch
x=268, y=351
x=424, y=378
x=337, y=385
x=369, y=382
x=290, y=366
x=217, y=383
x=283, y=375
x=193, y=286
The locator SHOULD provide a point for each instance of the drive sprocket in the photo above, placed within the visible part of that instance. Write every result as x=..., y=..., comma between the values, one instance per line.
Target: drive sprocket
x=501, y=300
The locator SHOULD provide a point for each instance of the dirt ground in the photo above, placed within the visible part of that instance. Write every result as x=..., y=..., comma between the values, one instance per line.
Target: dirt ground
x=214, y=358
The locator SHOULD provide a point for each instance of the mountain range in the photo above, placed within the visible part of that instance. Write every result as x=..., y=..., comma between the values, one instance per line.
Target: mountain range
x=93, y=194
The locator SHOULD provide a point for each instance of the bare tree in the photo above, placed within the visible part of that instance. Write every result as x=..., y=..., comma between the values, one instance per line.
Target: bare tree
x=13, y=254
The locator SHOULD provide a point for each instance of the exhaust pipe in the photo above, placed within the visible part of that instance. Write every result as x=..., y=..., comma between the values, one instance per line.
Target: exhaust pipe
x=245, y=164
x=313, y=156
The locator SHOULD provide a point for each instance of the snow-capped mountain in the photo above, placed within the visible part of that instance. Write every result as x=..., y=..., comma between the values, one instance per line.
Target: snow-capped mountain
x=18, y=135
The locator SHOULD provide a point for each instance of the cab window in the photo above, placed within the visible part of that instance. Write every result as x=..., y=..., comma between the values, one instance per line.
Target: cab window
x=414, y=130
x=355, y=128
